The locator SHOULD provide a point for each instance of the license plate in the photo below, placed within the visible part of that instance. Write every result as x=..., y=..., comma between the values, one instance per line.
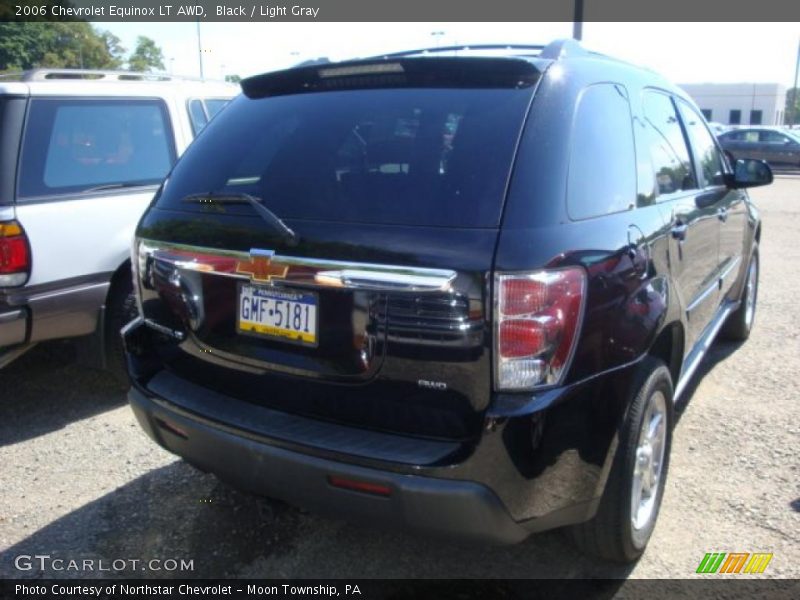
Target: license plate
x=285, y=315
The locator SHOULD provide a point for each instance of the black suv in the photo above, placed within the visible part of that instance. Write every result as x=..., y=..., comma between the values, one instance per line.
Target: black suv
x=459, y=294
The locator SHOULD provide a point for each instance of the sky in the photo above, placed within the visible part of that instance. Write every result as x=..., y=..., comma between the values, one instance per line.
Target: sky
x=682, y=52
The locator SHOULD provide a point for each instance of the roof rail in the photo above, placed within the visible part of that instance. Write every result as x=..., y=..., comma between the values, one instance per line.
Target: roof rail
x=555, y=50
x=96, y=75
x=465, y=47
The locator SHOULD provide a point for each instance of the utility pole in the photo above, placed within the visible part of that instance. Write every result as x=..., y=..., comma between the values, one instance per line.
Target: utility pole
x=577, y=23
x=200, y=50
x=793, y=118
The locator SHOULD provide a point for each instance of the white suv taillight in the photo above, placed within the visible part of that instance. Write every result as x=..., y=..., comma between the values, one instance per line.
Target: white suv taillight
x=15, y=256
x=537, y=318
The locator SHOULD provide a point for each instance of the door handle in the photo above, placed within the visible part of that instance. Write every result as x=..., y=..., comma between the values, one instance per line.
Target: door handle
x=638, y=251
x=722, y=214
x=679, y=231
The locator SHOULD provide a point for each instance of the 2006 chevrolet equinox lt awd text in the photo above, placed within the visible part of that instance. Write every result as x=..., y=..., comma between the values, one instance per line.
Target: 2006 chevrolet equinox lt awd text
x=457, y=294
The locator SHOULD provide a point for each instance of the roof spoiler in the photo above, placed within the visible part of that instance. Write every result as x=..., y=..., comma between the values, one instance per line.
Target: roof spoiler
x=432, y=72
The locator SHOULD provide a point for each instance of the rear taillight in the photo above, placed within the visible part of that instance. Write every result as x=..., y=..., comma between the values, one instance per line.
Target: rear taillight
x=15, y=256
x=537, y=317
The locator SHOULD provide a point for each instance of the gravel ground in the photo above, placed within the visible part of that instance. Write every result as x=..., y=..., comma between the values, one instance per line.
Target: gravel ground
x=79, y=480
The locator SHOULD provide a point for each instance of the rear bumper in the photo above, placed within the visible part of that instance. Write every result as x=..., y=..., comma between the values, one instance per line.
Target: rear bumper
x=539, y=463
x=61, y=310
x=13, y=326
x=446, y=507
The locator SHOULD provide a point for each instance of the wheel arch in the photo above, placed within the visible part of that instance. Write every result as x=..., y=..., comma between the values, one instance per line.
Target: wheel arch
x=669, y=346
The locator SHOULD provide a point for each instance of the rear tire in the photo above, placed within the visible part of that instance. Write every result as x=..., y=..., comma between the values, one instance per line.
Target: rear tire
x=739, y=324
x=629, y=507
x=120, y=310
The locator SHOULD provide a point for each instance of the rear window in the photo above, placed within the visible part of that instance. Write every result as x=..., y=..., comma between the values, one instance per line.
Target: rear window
x=73, y=146
x=438, y=157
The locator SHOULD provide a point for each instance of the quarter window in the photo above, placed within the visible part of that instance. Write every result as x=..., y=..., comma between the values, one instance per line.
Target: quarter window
x=602, y=169
x=667, y=145
x=74, y=146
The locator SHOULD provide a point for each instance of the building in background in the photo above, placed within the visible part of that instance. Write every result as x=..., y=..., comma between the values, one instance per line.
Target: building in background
x=740, y=103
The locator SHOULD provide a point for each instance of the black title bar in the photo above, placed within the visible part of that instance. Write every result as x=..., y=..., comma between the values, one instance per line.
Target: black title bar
x=400, y=10
x=394, y=589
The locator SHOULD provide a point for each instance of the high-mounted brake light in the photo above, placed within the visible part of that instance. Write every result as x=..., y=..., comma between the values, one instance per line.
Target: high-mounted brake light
x=374, y=69
x=537, y=317
x=15, y=257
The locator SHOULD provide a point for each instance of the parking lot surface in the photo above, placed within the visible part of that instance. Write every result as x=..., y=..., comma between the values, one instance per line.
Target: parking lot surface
x=79, y=479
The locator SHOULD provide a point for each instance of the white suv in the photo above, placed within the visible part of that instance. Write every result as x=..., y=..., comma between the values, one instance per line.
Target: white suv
x=81, y=155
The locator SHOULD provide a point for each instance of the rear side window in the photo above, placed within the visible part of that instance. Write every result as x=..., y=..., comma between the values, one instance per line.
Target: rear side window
x=12, y=112
x=73, y=146
x=202, y=110
x=418, y=156
x=706, y=152
x=214, y=105
x=602, y=167
x=197, y=114
x=667, y=147
x=773, y=137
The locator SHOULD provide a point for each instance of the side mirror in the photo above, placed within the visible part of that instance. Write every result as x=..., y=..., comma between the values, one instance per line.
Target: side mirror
x=750, y=172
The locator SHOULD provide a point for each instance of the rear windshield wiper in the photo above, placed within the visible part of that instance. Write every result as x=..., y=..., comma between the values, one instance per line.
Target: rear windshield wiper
x=266, y=214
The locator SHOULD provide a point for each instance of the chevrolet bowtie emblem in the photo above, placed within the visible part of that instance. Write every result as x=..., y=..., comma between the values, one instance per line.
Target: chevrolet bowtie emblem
x=260, y=266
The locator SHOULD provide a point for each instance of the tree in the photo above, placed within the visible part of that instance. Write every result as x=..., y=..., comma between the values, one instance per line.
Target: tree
x=146, y=56
x=232, y=78
x=28, y=45
x=792, y=113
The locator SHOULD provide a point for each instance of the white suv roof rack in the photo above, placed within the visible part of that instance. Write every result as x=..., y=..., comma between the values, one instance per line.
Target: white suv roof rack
x=92, y=75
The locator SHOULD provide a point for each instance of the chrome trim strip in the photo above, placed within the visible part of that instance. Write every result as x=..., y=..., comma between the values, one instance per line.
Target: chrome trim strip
x=700, y=350
x=714, y=287
x=303, y=271
x=716, y=284
x=730, y=267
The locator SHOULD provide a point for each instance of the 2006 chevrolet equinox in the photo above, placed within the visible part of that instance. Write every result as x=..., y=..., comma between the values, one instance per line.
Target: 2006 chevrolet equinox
x=453, y=293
